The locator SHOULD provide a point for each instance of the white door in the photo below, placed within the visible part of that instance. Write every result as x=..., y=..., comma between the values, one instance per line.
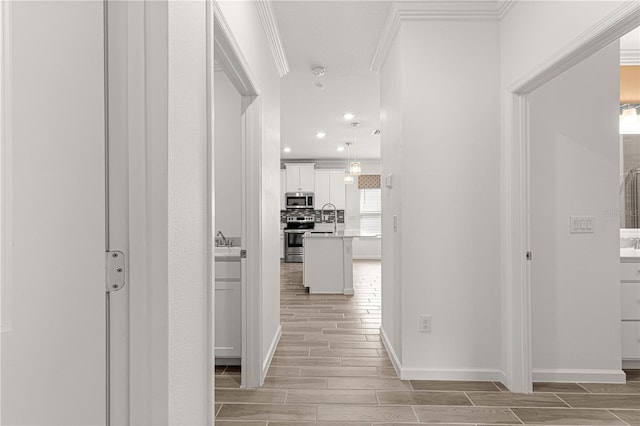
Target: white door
x=53, y=341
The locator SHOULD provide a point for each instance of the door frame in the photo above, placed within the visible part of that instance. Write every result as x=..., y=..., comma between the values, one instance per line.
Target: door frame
x=229, y=57
x=516, y=184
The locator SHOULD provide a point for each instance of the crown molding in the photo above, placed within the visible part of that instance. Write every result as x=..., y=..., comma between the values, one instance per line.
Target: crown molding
x=270, y=25
x=630, y=57
x=612, y=27
x=433, y=11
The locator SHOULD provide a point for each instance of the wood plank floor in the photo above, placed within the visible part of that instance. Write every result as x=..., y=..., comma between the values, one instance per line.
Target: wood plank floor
x=331, y=369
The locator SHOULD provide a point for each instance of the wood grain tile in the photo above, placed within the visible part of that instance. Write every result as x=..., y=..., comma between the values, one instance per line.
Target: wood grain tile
x=227, y=382
x=422, y=398
x=630, y=387
x=558, y=387
x=295, y=382
x=300, y=360
x=446, y=385
x=331, y=396
x=338, y=371
x=508, y=399
x=566, y=416
x=361, y=413
x=251, y=395
x=466, y=415
x=344, y=352
x=367, y=383
x=283, y=370
x=240, y=423
x=267, y=412
x=601, y=400
x=630, y=416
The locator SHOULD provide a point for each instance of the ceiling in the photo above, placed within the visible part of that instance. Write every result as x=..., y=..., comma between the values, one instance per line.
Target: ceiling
x=340, y=36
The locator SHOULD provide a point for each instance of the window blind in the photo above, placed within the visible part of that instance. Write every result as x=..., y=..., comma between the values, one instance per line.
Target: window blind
x=370, y=211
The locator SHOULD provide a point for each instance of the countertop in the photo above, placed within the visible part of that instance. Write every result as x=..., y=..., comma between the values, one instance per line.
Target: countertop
x=342, y=233
x=227, y=253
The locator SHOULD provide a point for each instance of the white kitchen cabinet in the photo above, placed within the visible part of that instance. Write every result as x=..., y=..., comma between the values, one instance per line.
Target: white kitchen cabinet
x=281, y=244
x=283, y=189
x=300, y=177
x=228, y=319
x=630, y=313
x=330, y=188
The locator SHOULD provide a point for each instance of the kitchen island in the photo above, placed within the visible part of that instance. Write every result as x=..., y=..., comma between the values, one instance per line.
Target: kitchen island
x=328, y=261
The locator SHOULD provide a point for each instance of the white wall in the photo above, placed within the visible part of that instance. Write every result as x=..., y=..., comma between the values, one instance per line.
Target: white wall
x=245, y=25
x=574, y=171
x=227, y=156
x=448, y=204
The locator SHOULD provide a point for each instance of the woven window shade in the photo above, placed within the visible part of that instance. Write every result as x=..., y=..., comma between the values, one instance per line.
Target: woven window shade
x=368, y=181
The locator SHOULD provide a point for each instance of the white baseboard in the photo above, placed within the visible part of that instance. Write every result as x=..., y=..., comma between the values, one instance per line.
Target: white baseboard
x=392, y=353
x=471, y=374
x=272, y=351
x=582, y=376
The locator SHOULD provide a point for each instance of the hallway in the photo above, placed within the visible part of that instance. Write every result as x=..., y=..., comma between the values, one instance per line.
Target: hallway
x=331, y=368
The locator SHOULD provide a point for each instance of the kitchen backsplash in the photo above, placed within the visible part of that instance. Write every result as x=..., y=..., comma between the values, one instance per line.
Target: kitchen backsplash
x=310, y=212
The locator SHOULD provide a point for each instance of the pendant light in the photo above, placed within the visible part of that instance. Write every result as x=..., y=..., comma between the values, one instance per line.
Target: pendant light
x=348, y=179
x=354, y=167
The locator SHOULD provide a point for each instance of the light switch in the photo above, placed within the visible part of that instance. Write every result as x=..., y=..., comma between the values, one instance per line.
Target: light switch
x=581, y=224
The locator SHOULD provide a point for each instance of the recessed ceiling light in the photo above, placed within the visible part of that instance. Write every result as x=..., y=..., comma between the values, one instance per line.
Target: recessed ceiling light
x=319, y=71
x=340, y=148
x=348, y=116
x=320, y=135
x=286, y=149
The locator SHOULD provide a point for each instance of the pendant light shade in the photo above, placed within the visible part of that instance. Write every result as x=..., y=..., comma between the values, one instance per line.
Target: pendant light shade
x=348, y=179
x=354, y=168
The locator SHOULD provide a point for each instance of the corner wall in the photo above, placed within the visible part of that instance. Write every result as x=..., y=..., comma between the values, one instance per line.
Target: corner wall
x=575, y=288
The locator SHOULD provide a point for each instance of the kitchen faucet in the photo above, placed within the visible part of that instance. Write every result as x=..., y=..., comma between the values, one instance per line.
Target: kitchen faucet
x=335, y=216
x=221, y=239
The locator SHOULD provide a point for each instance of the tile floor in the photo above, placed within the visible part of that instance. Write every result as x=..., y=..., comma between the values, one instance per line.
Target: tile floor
x=331, y=369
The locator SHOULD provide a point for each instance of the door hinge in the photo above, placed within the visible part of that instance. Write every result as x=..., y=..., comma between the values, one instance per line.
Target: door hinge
x=529, y=255
x=243, y=254
x=116, y=276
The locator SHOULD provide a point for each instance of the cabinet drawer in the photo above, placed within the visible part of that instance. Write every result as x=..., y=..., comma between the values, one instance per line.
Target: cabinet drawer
x=630, y=339
x=630, y=301
x=227, y=269
x=630, y=272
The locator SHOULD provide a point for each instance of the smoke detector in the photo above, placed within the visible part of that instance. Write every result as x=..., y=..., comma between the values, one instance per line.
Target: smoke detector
x=319, y=71
x=355, y=124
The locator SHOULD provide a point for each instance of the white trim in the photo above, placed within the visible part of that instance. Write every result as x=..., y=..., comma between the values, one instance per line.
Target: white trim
x=6, y=174
x=270, y=25
x=271, y=352
x=471, y=374
x=515, y=183
x=429, y=11
x=629, y=56
x=367, y=257
x=581, y=376
x=229, y=56
x=612, y=27
x=397, y=365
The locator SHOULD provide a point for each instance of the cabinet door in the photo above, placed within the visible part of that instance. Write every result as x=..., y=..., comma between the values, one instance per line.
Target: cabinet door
x=307, y=178
x=337, y=189
x=228, y=319
x=283, y=189
x=293, y=178
x=323, y=189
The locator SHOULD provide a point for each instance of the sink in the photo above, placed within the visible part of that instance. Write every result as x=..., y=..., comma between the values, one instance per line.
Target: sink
x=227, y=251
x=629, y=252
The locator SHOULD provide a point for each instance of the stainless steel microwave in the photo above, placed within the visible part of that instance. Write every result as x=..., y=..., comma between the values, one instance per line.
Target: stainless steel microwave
x=299, y=200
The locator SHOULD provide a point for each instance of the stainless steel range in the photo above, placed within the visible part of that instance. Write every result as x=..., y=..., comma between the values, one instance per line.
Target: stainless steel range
x=296, y=228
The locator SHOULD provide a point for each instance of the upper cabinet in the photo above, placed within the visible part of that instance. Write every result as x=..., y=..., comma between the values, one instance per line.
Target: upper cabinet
x=300, y=177
x=330, y=188
x=283, y=189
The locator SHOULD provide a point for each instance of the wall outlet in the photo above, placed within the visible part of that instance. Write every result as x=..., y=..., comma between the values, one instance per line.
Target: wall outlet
x=425, y=323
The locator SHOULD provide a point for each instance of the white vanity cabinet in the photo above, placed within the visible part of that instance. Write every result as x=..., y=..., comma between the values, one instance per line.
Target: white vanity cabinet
x=330, y=188
x=630, y=309
x=228, y=319
x=300, y=177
